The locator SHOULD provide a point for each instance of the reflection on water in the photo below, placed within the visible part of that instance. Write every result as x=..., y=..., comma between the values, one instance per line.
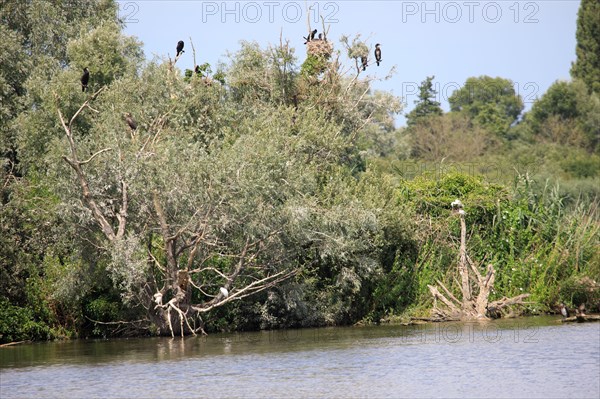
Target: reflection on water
x=533, y=357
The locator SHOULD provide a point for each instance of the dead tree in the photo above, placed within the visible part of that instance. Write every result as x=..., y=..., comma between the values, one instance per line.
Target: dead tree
x=469, y=307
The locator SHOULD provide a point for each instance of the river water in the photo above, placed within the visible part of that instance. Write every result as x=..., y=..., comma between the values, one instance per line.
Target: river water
x=532, y=358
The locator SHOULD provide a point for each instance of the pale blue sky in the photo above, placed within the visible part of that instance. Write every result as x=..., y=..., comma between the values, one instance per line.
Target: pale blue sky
x=530, y=42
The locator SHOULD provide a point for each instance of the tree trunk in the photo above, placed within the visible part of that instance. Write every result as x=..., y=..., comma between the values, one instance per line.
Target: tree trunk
x=469, y=308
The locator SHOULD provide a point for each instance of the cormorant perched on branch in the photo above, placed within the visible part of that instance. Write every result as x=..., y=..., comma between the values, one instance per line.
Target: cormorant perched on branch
x=377, y=53
x=85, y=78
x=130, y=121
x=311, y=36
x=179, y=48
x=363, y=60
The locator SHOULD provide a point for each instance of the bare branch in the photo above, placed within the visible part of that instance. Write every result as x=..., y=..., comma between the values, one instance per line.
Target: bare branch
x=76, y=165
x=94, y=156
x=156, y=262
x=250, y=289
x=436, y=294
x=85, y=104
x=122, y=215
x=504, y=302
x=193, y=54
x=448, y=292
x=204, y=269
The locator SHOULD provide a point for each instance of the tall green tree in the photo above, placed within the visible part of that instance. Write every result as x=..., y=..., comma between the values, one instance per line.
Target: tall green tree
x=35, y=245
x=491, y=102
x=567, y=113
x=34, y=41
x=587, y=65
x=426, y=105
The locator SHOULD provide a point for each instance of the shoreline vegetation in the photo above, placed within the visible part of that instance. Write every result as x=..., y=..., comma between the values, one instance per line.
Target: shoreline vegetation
x=275, y=191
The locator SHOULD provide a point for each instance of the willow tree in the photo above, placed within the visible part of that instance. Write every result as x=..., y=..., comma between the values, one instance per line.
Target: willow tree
x=188, y=228
x=217, y=192
x=35, y=35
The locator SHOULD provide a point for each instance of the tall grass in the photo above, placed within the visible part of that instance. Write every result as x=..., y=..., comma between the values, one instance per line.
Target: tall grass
x=538, y=242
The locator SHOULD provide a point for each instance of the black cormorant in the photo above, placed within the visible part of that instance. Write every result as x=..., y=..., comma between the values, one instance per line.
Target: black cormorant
x=377, y=53
x=493, y=312
x=311, y=36
x=179, y=48
x=85, y=78
x=363, y=60
x=130, y=121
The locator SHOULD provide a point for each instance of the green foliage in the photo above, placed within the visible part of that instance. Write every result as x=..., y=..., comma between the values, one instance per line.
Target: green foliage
x=576, y=290
x=356, y=49
x=20, y=324
x=583, y=166
x=45, y=26
x=235, y=159
x=560, y=100
x=313, y=65
x=426, y=105
x=451, y=137
x=35, y=35
x=567, y=114
x=587, y=65
x=536, y=244
x=15, y=64
x=263, y=75
x=106, y=53
x=491, y=102
x=204, y=71
x=432, y=195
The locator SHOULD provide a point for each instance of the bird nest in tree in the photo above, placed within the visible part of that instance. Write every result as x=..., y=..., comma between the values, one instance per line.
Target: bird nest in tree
x=321, y=48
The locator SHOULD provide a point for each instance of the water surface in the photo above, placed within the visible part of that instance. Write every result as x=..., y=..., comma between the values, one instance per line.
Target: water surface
x=534, y=358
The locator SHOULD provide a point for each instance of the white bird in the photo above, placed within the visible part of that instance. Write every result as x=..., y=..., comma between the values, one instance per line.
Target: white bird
x=456, y=204
x=158, y=298
x=224, y=292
